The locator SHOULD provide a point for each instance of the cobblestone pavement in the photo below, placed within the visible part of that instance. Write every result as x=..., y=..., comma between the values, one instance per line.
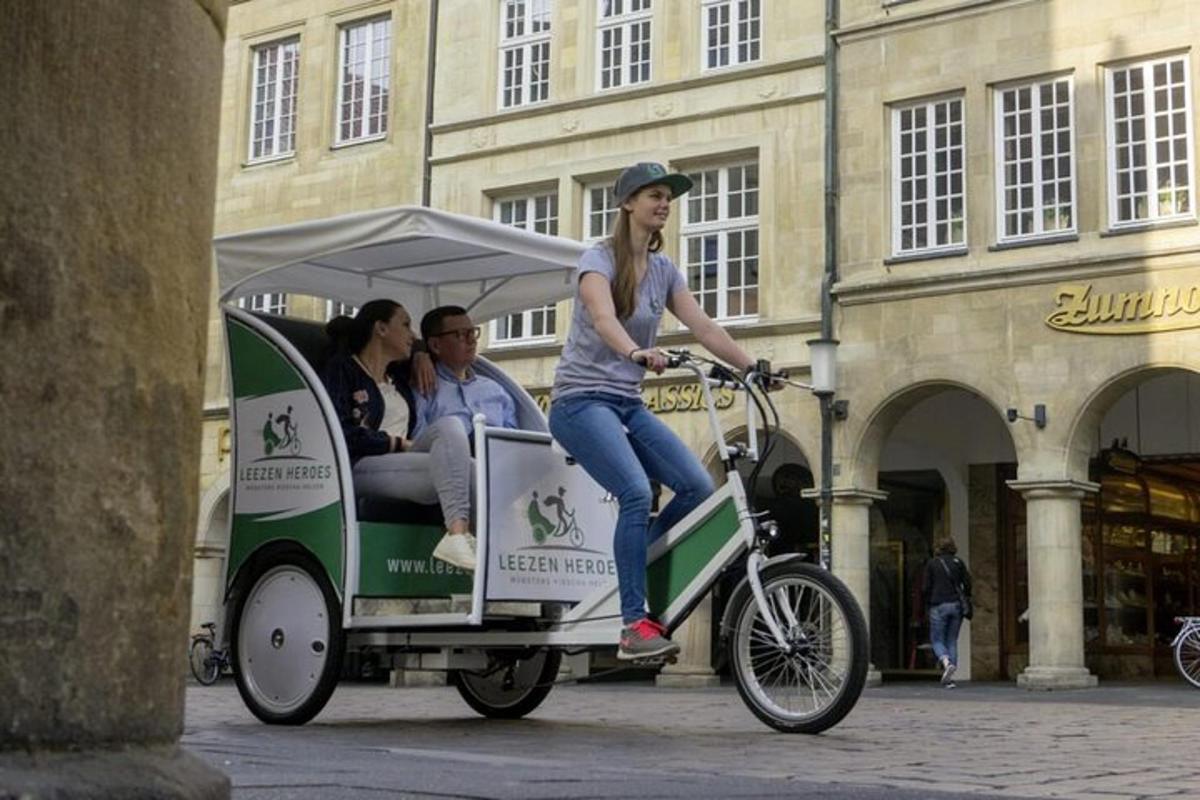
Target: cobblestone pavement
x=608, y=740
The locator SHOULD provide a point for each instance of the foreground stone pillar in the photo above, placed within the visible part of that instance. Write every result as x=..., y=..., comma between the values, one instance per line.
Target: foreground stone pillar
x=1053, y=530
x=694, y=669
x=108, y=142
x=851, y=548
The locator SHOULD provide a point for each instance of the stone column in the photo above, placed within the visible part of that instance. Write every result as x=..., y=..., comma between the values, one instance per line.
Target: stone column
x=851, y=547
x=694, y=668
x=1053, y=529
x=108, y=142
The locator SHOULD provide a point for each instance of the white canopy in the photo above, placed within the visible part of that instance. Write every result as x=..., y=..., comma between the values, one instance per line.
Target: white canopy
x=417, y=256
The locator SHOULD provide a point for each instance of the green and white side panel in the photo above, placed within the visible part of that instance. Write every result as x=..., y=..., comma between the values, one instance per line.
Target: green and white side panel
x=548, y=526
x=397, y=561
x=289, y=475
x=682, y=566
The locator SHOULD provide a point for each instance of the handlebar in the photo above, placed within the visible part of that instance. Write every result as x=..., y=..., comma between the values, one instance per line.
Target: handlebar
x=721, y=376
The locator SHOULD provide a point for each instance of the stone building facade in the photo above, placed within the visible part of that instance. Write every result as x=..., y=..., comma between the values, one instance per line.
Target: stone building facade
x=1018, y=231
x=536, y=108
x=995, y=253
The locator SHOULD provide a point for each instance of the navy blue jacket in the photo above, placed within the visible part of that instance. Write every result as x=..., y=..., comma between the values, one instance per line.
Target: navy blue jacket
x=359, y=405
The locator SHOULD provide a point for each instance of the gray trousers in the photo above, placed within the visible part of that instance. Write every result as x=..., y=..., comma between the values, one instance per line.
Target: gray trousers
x=437, y=468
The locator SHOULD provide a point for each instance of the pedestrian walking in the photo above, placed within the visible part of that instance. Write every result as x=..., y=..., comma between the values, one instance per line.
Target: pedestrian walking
x=947, y=595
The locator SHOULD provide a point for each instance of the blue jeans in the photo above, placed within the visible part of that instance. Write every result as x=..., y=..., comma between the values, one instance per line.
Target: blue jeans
x=622, y=446
x=944, y=621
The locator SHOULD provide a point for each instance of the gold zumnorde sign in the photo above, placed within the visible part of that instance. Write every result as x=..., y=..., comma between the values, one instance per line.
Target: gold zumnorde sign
x=1083, y=310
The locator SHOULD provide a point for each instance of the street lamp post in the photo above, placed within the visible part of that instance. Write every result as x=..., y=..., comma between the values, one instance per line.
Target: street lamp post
x=823, y=360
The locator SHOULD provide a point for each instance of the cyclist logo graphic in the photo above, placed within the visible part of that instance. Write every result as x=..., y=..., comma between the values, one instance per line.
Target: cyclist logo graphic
x=289, y=442
x=543, y=529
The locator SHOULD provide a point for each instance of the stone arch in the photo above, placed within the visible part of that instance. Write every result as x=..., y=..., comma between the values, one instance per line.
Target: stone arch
x=1091, y=412
x=209, y=554
x=212, y=523
x=864, y=455
x=739, y=434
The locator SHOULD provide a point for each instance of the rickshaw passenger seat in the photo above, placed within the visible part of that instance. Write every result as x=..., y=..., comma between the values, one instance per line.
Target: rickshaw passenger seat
x=305, y=335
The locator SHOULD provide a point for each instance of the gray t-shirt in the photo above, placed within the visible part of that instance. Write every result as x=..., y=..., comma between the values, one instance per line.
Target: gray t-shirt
x=588, y=364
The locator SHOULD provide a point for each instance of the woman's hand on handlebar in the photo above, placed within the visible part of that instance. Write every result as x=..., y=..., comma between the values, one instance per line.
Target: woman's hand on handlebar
x=651, y=358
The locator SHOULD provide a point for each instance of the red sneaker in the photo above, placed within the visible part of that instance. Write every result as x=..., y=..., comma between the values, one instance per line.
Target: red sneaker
x=645, y=639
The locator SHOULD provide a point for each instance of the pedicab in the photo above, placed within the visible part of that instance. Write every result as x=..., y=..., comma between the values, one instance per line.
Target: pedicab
x=314, y=570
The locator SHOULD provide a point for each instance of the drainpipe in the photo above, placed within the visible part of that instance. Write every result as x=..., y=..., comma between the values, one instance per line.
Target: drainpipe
x=830, y=277
x=430, y=72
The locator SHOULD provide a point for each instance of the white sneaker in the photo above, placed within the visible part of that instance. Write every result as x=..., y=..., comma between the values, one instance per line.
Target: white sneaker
x=457, y=549
x=947, y=672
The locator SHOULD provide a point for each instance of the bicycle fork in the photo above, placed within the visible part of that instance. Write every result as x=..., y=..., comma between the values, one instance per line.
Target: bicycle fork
x=753, y=564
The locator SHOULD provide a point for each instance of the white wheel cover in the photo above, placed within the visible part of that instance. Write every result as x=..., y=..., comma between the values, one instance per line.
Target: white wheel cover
x=283, y=638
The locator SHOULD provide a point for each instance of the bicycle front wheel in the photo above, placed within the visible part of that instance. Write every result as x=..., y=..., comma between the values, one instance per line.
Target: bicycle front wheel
x=1187, y=657
x=204, y=667
x=813, y=684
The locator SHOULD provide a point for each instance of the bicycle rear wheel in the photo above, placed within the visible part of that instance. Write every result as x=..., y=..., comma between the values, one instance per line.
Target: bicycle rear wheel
x=205, y=667
x=514, y=684
x=1187, y=657
x=811, y=686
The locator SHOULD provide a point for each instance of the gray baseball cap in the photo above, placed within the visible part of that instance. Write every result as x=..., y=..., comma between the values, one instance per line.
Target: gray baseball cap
x=648, y=173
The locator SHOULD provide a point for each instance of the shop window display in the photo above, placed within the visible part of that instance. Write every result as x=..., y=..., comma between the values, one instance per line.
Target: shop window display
x=1140, y=548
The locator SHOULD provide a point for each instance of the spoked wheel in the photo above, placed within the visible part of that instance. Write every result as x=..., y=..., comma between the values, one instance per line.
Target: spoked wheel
x=514, y=683
x=287, y=640
x=1187, y=657
x=811, y=686
x=204, y=666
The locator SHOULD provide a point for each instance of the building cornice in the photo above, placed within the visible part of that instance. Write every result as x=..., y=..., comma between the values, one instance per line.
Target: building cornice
x=608, y=98
x=852, y=293
x=909, y=19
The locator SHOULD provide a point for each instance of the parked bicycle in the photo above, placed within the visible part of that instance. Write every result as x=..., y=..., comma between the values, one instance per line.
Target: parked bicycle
x=1187, y=649
x=206, y=659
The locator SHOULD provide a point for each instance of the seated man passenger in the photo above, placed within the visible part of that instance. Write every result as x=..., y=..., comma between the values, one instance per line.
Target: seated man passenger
x=376, y=408
x=461, y=392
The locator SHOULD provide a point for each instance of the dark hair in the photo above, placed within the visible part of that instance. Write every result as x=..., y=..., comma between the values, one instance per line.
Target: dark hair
x=352, y=334
x=431, y=323
x=947, y=547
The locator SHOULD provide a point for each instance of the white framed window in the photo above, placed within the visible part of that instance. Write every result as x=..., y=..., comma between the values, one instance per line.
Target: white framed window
x=275, y=82
x=719, y=240
x=732, y=32
x=271, y=303
x=335, y=308
x=929, y=208
x=1035, y=159
x=1150, y=151
x=599, y=211
x=524, y=52
x=364, y=80
x=538, y=213
x=622, y=43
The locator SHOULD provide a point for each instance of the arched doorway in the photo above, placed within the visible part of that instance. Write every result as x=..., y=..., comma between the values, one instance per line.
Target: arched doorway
x=943, y=454
x=1141, y=531
x=212, y=545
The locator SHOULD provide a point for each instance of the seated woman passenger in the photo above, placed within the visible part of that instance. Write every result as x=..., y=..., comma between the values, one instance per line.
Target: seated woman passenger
x=367, y=385
x=461, y=392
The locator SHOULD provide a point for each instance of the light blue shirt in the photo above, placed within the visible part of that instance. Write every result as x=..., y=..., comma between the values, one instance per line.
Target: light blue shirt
x=588, y=364
x=464, y=399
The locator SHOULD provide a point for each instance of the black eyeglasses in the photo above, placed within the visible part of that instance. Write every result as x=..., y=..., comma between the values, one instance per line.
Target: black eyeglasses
x=463, y=334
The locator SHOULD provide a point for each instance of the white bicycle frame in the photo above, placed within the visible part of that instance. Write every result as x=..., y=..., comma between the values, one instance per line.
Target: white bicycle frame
x=596, y=620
